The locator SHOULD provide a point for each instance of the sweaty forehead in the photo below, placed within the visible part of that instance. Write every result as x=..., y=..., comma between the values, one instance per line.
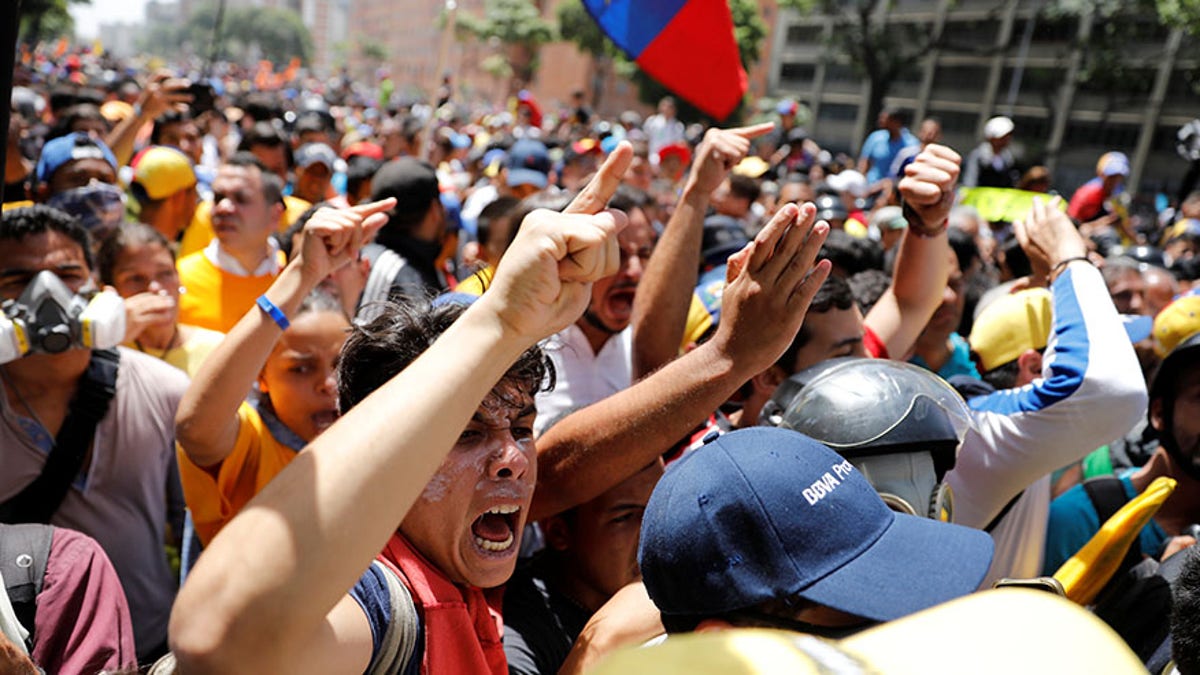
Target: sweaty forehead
x=43, y=251
x=505, y=401
x=639, y=232
x=80, y=172
x=237, y=178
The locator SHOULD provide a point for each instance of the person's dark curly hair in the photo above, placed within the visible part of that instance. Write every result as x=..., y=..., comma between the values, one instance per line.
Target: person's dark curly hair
x=1185, y=616
x=27, y=221
x=379, y=349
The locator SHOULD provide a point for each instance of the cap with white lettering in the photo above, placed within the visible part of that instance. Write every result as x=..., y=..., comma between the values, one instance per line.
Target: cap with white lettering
x=765, y=514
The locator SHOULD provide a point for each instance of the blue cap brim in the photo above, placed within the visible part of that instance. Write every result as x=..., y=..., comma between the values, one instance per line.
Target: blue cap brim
x=917, y=563
x=527, y=177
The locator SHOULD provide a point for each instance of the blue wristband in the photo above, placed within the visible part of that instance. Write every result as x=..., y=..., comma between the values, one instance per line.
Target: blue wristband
x=265, y=304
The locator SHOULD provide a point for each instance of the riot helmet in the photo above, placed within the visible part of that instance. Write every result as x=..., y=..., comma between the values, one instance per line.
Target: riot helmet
x=900, y=425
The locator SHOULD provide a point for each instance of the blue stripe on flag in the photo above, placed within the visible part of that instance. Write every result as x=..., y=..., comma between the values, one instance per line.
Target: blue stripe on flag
x=633, y=24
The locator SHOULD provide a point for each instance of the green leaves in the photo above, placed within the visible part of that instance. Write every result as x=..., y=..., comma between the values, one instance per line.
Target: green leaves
x=278, y=34
x=512, y=22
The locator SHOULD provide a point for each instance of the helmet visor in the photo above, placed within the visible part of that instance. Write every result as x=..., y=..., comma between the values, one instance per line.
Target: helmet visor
x=861, y=401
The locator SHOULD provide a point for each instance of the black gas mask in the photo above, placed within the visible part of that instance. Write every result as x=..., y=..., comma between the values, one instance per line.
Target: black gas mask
x=50, y=318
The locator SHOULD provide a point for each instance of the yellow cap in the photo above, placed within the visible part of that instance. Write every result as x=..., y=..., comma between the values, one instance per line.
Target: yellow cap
x=1010, y=325
x=1176, y=321
x=162, y=171
x=990, y=633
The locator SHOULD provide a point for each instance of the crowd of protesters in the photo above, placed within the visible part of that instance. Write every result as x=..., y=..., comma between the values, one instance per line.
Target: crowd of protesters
x=303, y=376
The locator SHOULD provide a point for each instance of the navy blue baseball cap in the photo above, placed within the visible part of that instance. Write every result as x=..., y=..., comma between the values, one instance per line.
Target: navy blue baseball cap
x=528, y=163
x=766, y=514
x=58, y=152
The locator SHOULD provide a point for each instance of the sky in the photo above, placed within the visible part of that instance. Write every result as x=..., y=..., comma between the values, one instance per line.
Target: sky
x=89, y=17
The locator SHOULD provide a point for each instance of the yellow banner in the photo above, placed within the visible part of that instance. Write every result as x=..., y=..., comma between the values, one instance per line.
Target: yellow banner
x=1001, y=204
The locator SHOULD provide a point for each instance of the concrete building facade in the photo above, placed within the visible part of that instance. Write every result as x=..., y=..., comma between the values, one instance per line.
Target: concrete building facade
x=1010, y=57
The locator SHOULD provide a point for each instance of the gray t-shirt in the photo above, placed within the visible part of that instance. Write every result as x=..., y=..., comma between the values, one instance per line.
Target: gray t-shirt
x=122, y=499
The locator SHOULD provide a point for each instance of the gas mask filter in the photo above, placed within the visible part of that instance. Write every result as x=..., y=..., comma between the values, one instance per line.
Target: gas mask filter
x=49, y=318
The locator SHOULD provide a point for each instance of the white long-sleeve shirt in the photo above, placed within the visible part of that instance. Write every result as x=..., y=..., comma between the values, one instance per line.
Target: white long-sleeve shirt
x=1091, y=392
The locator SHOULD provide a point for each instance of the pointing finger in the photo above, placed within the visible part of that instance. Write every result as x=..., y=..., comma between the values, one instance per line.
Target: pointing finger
x=594, y=197
x=754, y=130
x=373, y=224
x=370, y=208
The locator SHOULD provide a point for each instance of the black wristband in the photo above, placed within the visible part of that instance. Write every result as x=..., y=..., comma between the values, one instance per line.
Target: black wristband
x=917, y=225
x=1062, y=265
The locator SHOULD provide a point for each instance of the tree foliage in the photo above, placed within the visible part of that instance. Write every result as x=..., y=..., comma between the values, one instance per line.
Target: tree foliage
x=1182, y=13
x=271, y=33
x=577, y=26
x=46, y=19
x=877, y=50
x=516, y=24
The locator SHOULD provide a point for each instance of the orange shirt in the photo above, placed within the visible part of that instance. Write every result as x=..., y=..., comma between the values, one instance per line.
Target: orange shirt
x=215, y=495
x=215, y=299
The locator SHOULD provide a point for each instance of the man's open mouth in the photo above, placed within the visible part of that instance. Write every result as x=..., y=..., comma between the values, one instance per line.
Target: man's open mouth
x=496, y=529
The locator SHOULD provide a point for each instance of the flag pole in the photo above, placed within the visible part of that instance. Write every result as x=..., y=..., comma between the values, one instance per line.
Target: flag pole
x=215, y=44
x=443, y=58
x=8, y=61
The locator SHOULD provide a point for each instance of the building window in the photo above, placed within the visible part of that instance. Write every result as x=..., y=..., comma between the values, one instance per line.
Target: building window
x=971, y=35
x=838, y=112
x=1052, y=30
x=1101, y=135
x=798, y=74
x=840, y=72
x=956, y=122
x=803, y=35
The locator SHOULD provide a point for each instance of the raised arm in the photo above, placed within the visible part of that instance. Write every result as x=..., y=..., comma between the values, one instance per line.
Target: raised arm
x=1091, y=390
x=771, y=283
x=921, y=271
x=304, y=540
x=160, y=94
x=665, y=291
x=206, y=425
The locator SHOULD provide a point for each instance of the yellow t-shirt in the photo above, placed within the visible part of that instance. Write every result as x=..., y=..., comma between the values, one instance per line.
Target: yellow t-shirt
x=213, y=298
x=217, y=494
x=189, y=355
x=200, y=232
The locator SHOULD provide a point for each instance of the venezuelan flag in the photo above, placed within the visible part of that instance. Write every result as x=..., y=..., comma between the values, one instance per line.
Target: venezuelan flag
x=687, y=45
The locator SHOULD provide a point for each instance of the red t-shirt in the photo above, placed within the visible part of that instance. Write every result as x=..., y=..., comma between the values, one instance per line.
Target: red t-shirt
x=874, y=346
x=1088, y=201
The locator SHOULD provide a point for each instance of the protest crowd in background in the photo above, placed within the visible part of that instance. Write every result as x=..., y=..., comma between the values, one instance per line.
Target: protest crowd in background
x=607, y=382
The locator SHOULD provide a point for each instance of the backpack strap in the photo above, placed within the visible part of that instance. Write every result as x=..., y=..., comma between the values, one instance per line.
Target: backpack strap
x=385, y=266
x=400, y=650
x=38, y=502
x=1003, y=512
x=1107, y=494
x=24, y=552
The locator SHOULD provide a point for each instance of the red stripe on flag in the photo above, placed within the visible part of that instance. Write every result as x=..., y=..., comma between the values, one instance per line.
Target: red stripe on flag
x=696, y=56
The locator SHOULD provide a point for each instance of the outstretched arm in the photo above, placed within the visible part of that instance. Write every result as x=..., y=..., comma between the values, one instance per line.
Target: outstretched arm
x=159, y=96
x=665, y=292
x=771, y=283
x=1021, y=434
x=206, y=425
x=922, y=264
x=305, y=539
